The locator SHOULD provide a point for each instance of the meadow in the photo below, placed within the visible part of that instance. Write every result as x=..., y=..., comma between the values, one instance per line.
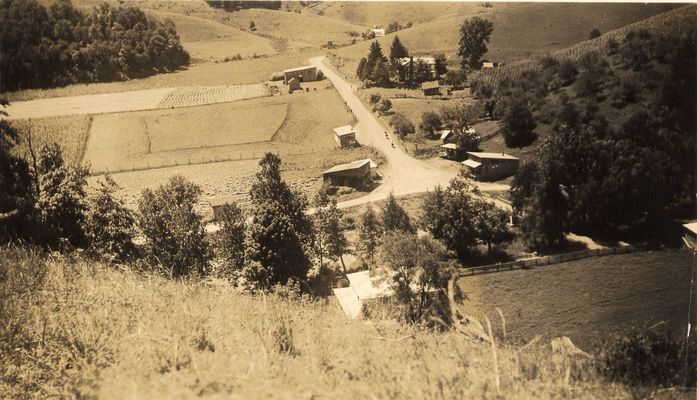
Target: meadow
x=69, y=132
x=83, y=329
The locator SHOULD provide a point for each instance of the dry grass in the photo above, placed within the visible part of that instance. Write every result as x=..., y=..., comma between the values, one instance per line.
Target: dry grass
x=69, y=132
x=590, y=299
x=88, y=330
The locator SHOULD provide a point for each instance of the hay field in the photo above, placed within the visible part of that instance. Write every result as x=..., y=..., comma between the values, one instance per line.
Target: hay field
x=69, y=132
x=138, y=335
x=588, y=299
x=156, y=136
x=520, y=30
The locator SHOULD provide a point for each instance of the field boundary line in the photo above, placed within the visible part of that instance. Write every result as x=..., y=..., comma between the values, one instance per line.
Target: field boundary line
x=545, y=260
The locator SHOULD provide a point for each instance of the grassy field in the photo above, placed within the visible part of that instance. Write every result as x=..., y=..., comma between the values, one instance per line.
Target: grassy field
x=69, y=132
x=587, y=300
x=520, y=30
x=166, y=136
x=82, y=329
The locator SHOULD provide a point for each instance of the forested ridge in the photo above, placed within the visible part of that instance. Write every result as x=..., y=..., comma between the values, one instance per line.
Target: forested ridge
x=60, y=45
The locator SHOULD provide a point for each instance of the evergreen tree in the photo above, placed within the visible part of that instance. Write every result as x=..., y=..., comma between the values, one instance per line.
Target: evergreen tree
x=394, y=218
x=381, y=73
x=397, y=50
x=280, y=231
x=369, y=232
x=441, y=65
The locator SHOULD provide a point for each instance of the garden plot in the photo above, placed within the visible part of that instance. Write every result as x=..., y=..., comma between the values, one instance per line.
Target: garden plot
x=202, y=95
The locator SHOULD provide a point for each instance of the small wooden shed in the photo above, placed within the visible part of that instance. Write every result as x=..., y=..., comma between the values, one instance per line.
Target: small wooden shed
x=354, y=174
x=431, y=88
x=345, y=136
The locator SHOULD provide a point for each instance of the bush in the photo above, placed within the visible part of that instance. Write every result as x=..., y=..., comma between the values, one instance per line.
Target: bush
x=650, y=359
x=229, y=240
x=383, y=107
x=567, y=72
x=594, y=33
x=110, y=226
x=174, y=232
x=401, y=124
x=375, y=98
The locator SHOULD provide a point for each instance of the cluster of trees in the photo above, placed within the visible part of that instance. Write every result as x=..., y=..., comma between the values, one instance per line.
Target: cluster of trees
x=625, y=181
x=378, y=70
x=62, y=45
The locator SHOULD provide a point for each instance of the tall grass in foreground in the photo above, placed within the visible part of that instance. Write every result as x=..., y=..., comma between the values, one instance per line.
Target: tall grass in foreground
x=74, y=328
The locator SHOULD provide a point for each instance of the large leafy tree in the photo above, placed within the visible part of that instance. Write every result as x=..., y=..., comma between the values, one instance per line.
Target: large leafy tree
x=330, y=240
x=174, y=232
x=369, y=233
x=474, y=35
x=279, y=232
x=416, y=269
x=229, y=240
x=518, y=125
x=430, y=123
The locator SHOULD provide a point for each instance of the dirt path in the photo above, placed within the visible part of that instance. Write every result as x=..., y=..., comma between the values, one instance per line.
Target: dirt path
x=404, y=174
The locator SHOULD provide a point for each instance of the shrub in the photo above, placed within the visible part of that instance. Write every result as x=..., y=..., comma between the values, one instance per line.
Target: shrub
x=174, y=233
x=650, y=359
x=430, y=123
x=567, y=72
x=229, y=240
x=375, y=98
x=401, y=124
x=383, y=107
x=594, y=33
x=109, y=224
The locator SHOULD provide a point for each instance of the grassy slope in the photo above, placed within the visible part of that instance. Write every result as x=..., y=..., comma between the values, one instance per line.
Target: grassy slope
x=69, y=132
x=90, y=330
x=588, y=299
x=520, y=30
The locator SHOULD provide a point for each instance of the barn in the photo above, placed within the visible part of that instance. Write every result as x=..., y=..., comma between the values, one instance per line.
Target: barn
x=354, y=174
x=345, y=136
x=305, y=73
x=293, y=85
x=431, y=88
x=491, y=166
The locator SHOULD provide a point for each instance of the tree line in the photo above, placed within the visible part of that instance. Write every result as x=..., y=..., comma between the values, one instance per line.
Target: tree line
x=61, y=45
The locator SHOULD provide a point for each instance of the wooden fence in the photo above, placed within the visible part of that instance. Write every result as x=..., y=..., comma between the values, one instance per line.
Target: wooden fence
x=547, y=260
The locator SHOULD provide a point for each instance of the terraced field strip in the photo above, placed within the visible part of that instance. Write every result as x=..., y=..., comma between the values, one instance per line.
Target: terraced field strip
x=202, y=95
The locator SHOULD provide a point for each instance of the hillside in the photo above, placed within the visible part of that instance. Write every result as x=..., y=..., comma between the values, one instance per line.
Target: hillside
x=665, y=23
x=520, y=30
x=90, y=330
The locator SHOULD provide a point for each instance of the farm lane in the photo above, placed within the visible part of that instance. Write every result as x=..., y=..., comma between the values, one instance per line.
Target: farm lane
x=405, y=174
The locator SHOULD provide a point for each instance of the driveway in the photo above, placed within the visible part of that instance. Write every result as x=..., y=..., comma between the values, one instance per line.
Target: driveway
x=404, y=174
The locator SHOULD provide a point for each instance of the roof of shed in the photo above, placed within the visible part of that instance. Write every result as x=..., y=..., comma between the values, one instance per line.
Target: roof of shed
x=471, y=163
x=492, y=156
x=344, y=130
x=430, y=85
x=451, y=146
x=348, y=167
x=304, y=67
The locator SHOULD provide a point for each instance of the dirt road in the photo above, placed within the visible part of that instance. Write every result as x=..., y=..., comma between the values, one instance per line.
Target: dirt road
x=404, y=174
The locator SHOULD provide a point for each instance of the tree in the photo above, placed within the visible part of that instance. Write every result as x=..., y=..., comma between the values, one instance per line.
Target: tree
x=394, y=218
x=252, y=26
x=492, y=225
x=374, y=55
x=474, y=35
x=16, y=196
x=360, y=70
x=229, y=240
x=330, y=240
x=523, y=186
x=567, y=72
x=383, y=107
x=109, y=224
x=518, y=125
x=369, y=232
x=450, y=215
x=441, y=65
x=280, y=231
x=375, y=98
x=430, y=123
x=544, y=221
x=61, y=198
x=455, y=77
x=401, y=124
x=174, y=232
x=422, y=71
x=380, y=75
x=397, y=50
x=417, y=271
x=595, y=32
x=466, y=140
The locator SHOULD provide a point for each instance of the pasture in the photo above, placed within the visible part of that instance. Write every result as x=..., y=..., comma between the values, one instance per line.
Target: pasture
x=587, y=300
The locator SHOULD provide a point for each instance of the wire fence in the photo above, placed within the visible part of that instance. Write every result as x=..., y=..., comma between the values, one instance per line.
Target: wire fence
x=143, y=165
x=547, y=260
